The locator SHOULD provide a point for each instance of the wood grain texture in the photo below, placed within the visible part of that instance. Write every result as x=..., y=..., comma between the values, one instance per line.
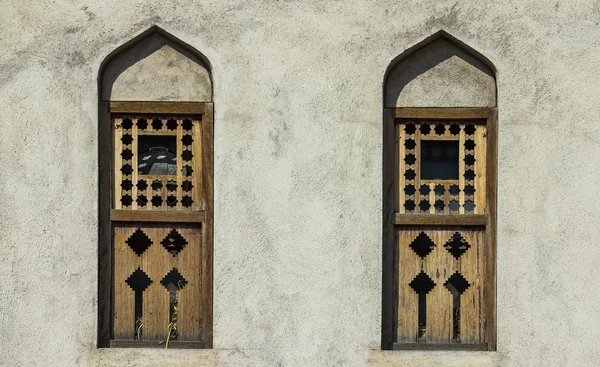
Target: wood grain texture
x=441, y=346
x=491, y=229
x=207, y=227
x=157, y=262
x=480, y=169
x=462, y=113
x=157, y=216
x=156, y=344
x=126, y=262
x=441, y=219
x=157, y=107
x=389, y=309
x=440, y=265
x=105, y=166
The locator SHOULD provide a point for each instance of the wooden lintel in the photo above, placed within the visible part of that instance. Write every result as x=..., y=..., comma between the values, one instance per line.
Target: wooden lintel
x=191, y=108
x=441, y=219
x=457, y=113
x=157, y=216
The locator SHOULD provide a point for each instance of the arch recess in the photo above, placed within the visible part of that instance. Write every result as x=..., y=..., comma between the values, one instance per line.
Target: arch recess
x=155, y=66
x=440, y=71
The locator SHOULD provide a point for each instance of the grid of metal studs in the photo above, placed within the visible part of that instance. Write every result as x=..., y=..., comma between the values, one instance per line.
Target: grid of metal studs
x=156, y=191
x=437, y=196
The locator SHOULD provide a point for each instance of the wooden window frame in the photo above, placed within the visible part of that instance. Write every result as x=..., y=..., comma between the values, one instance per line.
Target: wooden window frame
x=392, y=220
x=107, y=215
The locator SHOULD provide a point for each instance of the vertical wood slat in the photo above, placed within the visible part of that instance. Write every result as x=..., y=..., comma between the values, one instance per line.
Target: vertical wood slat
x=126, y=262
x=118, y=162
x=408, y=300
x=480, y=169
x=207, y=149
x=149, y=194
x=155, y=317
x=134, y=165
x=470, y=268
x=432, y=198
x=198, y=197
x=490, y=259
x=417, y=169
x=163, y=194
x=189, y=264
x=438, y=265
x=461, y=170
x=401, y=149
x=179, y=163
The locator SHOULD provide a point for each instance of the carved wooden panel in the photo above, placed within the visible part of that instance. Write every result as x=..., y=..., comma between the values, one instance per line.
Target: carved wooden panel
x=441, y=166
x=157, y=282
x=157, y=162
x=441, y=285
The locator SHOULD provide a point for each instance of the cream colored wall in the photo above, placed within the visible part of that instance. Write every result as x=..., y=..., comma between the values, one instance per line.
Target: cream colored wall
x=298, y=94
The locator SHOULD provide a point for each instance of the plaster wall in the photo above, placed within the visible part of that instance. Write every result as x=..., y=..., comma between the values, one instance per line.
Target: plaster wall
x=298, y=94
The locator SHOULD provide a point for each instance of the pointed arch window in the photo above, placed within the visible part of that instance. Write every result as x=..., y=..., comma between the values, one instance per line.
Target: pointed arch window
x=439, y=199
x=155, y=209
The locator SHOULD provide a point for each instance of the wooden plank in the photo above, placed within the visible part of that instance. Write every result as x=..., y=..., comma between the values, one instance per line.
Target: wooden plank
x=158, y=133
x=179, y=163
x=156, y=344
x=417, y=170
x=439, y=266
x=461, y=171
x=480, y=169
x=157, y=216
x=207, y=227
x=433, y=346
x=134, y=165
x=441, y=219
x=198, y=195
x=432, y=198
x=156, y=263
x=391, y=167
x=490, y=259
x=182, y=108
x=118, y=163
x=188, y=262
x=408, y=301
x=456, y=113
x=401, y=149
x=471, y=311
x=105, y=166
x=126, y=262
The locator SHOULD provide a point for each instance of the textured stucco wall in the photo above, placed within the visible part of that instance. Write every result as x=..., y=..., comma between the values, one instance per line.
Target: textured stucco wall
x=298, y=121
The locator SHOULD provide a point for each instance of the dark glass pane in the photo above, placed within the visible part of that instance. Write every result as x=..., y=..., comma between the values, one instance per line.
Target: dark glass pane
x=439, y=160
x=157, y=155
